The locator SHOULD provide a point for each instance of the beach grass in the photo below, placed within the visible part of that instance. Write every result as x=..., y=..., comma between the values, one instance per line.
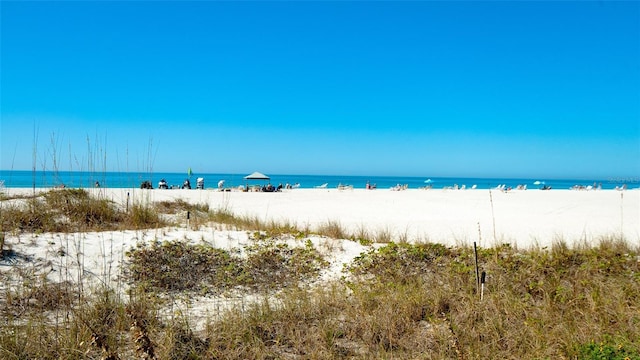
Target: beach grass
x=73, y=210
x=400, y=299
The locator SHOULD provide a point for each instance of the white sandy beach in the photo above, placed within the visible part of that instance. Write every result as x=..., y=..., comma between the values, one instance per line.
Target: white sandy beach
x=452, y=217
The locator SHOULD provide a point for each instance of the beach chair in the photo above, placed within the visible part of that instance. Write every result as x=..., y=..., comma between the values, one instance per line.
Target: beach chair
x=323, y=186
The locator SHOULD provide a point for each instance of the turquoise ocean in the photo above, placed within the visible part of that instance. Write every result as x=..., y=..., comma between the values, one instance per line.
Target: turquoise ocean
x=82, y=179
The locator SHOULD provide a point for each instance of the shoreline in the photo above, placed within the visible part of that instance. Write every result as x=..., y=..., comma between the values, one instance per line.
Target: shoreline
x=522, y=218
x=133, y=179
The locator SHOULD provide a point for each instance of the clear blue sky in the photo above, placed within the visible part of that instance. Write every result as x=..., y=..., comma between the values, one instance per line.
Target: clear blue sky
x=487, y=89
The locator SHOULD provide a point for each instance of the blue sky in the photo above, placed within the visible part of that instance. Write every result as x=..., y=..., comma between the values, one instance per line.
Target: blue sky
x=478, y=89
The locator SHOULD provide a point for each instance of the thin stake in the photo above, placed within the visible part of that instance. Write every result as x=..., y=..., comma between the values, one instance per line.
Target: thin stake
x=482, y=280
x=475, y=251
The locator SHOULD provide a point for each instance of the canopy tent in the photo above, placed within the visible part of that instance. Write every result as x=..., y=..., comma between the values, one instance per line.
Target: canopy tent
x=257, y=176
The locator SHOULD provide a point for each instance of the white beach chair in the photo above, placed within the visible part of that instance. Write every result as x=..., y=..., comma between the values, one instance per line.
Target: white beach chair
x=323, y=186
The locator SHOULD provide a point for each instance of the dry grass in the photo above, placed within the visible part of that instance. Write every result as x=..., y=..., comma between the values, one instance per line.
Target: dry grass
x=403, y=301
x=74, y=210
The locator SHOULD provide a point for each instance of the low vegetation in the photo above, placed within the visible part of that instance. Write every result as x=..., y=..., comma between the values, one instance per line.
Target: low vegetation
x=398, y=300
x=74, y=210
x=180, y=266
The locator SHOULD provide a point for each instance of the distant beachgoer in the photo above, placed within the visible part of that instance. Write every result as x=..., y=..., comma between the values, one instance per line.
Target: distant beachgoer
x=97, y=184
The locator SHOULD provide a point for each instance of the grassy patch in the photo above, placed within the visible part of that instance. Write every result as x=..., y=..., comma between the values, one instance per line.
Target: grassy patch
x=401, y=262
x=179, y=205
x=537, y=304
x=404, y=301
x=74, y=210
x=181, y=266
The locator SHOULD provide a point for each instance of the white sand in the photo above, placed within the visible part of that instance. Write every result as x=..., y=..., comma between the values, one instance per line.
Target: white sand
x=452, y=217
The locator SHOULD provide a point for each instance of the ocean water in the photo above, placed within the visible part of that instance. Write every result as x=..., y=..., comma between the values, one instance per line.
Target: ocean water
x=82, y=179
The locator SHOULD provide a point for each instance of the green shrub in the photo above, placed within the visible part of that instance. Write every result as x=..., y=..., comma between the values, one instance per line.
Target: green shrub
x=180, y=266
x=400, y=262
x=605, y=351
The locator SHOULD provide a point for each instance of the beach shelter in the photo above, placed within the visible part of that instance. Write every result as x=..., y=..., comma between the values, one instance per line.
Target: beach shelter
x=256, y=176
